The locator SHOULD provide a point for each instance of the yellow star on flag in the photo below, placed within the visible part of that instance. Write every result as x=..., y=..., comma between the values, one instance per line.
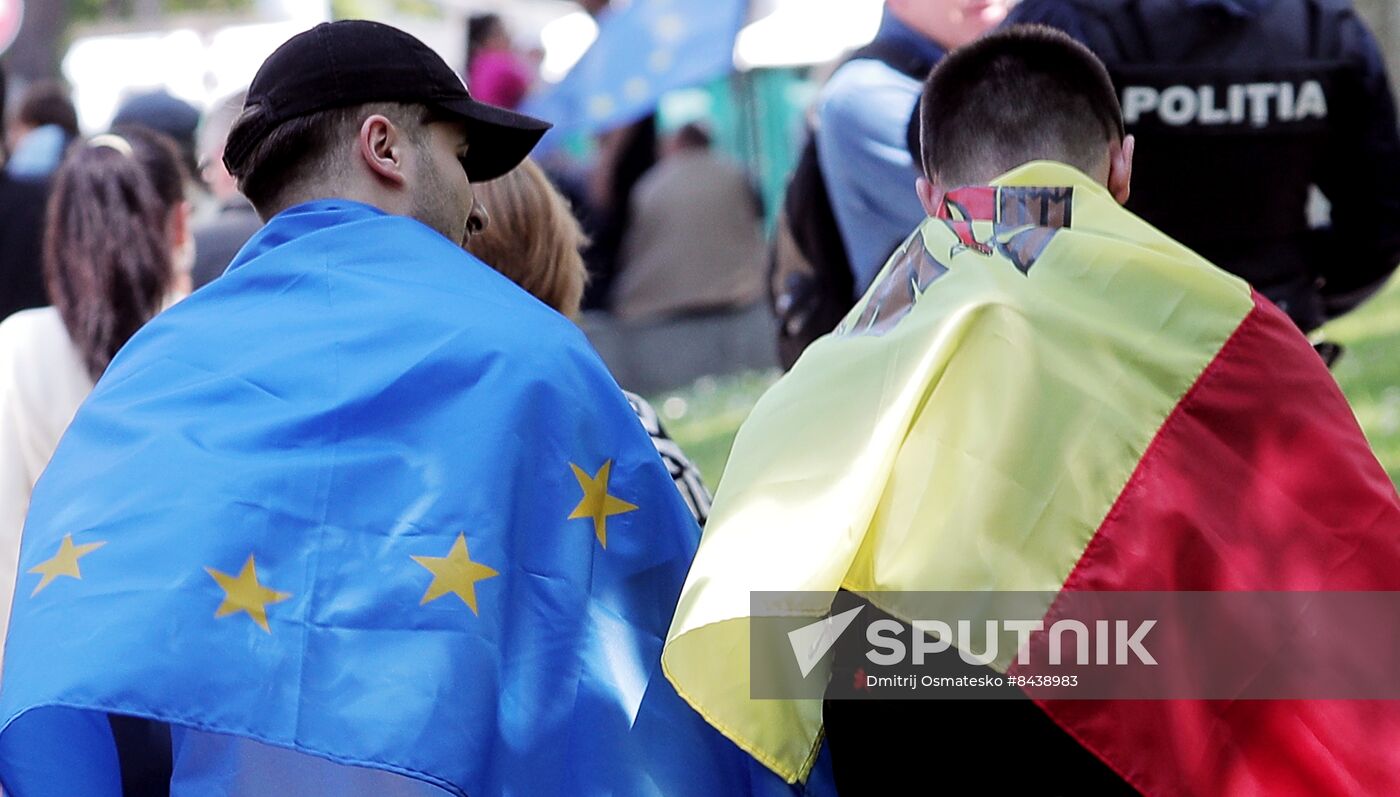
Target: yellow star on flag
x=454, y=573
x=243, y=593
x=64, y=563
x=596, y=503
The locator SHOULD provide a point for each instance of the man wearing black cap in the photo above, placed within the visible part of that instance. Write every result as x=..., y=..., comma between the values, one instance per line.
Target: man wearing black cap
x=361, y=516
x=386, y=123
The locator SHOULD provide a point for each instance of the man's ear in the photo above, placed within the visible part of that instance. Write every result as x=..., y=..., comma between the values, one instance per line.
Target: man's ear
x=930, y=195
x=381, y=145
x=1120, y=168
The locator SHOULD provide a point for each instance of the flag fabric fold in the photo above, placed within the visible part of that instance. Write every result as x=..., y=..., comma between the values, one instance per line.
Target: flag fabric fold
x=365, y=500
x=1043, y=393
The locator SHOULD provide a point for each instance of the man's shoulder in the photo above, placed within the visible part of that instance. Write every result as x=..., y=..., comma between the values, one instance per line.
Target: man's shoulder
x=864, y=82
x=18, y=329
x=35, y=348
x=372, y=284
x=419, y=277
x=349, y=334
x=368, y=277
x=392, y=247
x=866, y=99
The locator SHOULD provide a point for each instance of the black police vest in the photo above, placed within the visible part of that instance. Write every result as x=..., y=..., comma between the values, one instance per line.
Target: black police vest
x=1233, y=117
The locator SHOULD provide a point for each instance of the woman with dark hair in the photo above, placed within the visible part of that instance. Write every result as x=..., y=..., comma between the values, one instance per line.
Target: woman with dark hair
x=116, y=252
x=118, y=227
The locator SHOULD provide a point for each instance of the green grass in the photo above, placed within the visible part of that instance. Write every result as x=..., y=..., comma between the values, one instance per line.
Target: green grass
x=1369, y=372
x=704, y=417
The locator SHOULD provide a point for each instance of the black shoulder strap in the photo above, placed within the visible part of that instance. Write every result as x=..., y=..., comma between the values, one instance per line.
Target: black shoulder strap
x=899, y=56
x=908, y=60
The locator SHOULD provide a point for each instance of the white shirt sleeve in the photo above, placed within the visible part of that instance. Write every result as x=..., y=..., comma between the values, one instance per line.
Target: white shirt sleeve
x=42, y=384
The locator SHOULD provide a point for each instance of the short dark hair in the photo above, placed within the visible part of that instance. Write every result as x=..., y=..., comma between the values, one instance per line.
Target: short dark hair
x=302, y=149
x=1024, y=93
x=480, y=28
x=46, y=102
x=694, y=136
x=108, y=260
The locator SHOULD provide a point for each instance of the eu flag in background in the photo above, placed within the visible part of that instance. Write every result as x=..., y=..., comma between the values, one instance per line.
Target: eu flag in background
x=361, y=517
x=644, y=49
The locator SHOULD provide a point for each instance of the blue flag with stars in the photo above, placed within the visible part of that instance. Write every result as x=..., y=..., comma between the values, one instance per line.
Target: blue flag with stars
x=643, y=50
x=360, y=517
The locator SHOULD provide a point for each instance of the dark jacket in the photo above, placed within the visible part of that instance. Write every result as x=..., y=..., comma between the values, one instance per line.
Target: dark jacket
x=21, y=245
x=1239, y=106
x=218, y=240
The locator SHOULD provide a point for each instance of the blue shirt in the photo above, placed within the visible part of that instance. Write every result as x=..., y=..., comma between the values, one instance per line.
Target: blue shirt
x=38, y=153
x=863, y=116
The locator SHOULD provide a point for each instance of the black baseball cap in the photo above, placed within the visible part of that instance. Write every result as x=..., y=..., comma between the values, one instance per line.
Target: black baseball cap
x=353, y=62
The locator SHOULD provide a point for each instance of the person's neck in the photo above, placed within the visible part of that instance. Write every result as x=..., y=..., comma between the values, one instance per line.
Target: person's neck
x=376, y=200
x=892, y=26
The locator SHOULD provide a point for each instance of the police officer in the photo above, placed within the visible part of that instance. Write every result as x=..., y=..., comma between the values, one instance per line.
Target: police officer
x=1239, y=106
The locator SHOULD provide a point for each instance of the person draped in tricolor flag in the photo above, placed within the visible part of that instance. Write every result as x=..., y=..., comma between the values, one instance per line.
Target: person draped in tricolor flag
x=362, y=517
x=1042, y=394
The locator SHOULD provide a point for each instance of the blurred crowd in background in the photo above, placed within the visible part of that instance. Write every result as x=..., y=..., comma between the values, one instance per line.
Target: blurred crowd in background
x=724, y=181
x=739, y=169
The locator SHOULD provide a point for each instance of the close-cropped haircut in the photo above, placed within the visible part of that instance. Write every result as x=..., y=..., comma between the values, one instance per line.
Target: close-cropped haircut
x=533, y=237
x=480, y=28
x=307, y=149
x=1025, y=93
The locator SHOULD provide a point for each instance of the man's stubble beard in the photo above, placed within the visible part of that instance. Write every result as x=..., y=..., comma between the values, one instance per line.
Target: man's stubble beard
x=433, y=206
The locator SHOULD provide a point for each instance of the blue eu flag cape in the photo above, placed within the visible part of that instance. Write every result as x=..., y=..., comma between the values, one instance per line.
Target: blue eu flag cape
x=362, y=502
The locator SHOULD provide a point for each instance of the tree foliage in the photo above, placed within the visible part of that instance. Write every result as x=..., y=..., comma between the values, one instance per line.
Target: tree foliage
x=98, y=10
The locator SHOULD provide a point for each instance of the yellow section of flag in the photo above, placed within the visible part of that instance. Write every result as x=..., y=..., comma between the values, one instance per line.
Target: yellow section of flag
x=966, y=428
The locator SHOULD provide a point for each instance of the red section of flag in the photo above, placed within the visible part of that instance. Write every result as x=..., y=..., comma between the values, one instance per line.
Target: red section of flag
x=974, y=203
x=1260, y=479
